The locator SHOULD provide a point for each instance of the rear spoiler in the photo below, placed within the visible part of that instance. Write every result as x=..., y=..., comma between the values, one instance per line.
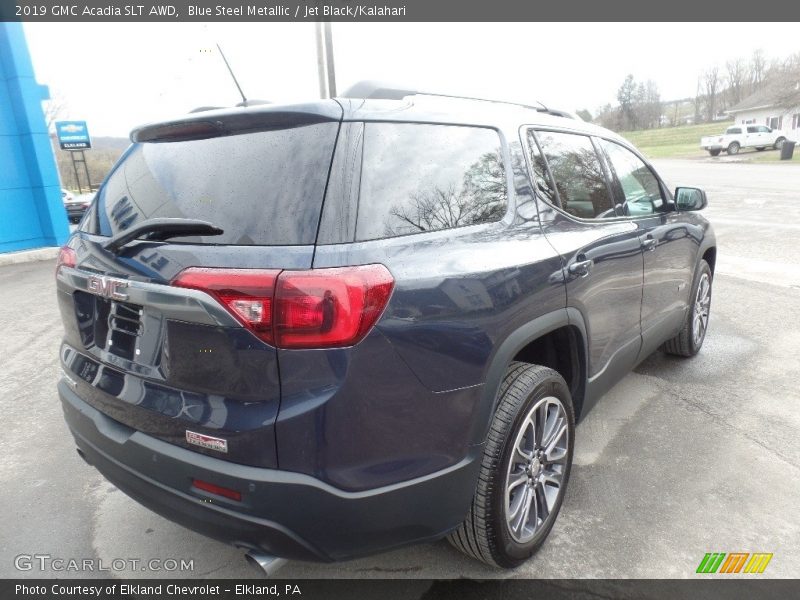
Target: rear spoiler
x=219, y=123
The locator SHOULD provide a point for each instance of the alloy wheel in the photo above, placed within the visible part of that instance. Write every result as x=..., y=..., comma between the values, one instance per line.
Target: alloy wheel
x=702, y=306
x=535, y=476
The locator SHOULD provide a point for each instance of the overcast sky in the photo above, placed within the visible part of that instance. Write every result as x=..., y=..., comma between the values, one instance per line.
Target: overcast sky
x=118, y=75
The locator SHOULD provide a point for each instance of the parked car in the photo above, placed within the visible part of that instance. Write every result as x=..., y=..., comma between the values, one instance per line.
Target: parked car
x=735, y=138
x=324, y=330
x=75, y=207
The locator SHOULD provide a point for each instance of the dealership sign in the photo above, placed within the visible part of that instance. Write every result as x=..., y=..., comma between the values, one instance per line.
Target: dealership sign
x=73, y=135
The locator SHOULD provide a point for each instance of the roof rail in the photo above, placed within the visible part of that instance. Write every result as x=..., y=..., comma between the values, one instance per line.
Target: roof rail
x=376, y=90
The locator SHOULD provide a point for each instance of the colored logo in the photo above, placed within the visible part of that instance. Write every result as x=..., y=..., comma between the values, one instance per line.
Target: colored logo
x=734, y=562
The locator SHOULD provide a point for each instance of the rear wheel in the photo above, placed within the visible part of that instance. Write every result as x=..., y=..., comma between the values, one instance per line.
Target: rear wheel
x=690, y=339
x=714, y=152
x=733, y=148
x=525, y=469
x=760, y=148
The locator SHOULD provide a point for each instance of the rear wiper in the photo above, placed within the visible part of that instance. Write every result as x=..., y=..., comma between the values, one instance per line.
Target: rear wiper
x=161, y=229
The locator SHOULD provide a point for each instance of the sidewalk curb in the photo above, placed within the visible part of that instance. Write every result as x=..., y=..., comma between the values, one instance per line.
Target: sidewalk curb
x=26, y=256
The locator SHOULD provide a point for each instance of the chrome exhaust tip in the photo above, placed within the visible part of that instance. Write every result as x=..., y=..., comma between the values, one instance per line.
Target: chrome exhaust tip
x=266, y=564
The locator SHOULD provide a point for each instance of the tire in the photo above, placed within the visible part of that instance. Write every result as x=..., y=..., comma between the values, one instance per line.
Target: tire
x=689, y=341
x=526, y=394
x=760, y=148
x=779, y=143
x=714, y=152
x=733, y=148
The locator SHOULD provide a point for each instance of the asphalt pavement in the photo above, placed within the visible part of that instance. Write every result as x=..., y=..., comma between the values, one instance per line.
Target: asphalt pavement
x=681, y=458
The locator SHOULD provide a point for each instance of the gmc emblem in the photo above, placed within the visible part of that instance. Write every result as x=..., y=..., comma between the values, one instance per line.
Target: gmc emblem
x=107, y=287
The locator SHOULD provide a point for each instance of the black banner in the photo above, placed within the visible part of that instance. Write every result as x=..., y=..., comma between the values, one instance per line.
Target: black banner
x=398, y=11
x=401, y=589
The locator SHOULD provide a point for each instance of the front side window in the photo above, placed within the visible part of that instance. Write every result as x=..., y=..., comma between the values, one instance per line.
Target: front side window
x=417, y=178
x=578, y=174
x=635, y=181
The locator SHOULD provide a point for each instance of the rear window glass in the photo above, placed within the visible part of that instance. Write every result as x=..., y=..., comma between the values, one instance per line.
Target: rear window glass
x=262, y=188
x=417, y=178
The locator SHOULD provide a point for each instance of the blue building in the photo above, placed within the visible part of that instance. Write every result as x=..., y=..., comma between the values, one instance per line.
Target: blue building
x=31, y=211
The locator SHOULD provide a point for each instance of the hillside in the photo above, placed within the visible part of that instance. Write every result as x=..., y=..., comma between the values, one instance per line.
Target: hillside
x=674, y=142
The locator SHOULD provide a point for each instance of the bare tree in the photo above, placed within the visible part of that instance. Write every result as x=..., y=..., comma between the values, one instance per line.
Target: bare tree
x=481, y=197
x=758, y=70
x=698, y=99
x=737, y=79
x=712, y=83
x=54, y=108
x=626, y=98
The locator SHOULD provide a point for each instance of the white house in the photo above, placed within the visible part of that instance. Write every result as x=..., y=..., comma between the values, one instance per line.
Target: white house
x=777, y=106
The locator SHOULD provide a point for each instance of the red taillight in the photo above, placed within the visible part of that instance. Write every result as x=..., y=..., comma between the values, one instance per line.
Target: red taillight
x=212, y=488
x=247, y=293
x=66, y=257
x=319, y=308
x=329, y=307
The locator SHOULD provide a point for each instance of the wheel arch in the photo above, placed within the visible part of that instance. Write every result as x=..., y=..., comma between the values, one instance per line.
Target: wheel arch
x=556, y=340
x=710, y=256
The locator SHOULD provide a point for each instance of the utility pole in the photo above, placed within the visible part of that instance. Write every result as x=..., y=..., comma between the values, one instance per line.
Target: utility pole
x=325, y=68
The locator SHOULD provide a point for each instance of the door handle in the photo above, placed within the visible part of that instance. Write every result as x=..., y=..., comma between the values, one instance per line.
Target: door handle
x=649, y=243
x=581, y=268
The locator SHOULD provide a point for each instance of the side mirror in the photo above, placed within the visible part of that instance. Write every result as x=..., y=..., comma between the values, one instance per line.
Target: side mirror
x=688, y=198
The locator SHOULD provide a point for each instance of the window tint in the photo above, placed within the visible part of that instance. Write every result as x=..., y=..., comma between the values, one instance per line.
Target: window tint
x=261, y=188
x=639, y=188
x=734, y=130
x=578, y=174
x=763, y=129
x=417, y=178
x=752, y=129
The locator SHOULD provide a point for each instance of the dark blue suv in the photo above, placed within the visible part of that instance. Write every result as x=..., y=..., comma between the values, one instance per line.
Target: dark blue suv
x=318, y=331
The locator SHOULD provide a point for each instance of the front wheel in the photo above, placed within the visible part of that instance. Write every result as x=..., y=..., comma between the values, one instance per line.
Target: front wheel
x=524, y=471
x=690, y=339
x=733, y=148
x=779, y=143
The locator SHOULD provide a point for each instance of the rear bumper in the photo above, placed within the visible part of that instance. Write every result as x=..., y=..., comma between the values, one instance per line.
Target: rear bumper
x=281, y=513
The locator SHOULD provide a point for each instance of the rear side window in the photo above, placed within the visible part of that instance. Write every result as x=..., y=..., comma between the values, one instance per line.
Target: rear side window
x=262, y=188
x=733, y=130
x=578, y=174
x=417, y=178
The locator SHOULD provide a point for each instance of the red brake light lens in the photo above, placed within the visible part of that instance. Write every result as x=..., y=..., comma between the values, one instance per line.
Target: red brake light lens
x=247, y=293
x=319, y=308
x=329, y=307
x=66, y=257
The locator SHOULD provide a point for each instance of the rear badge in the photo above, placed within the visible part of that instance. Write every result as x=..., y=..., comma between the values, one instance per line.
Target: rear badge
x=206, y=441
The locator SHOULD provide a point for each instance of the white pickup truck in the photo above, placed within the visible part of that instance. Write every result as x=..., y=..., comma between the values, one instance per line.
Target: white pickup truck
x=737, y=137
